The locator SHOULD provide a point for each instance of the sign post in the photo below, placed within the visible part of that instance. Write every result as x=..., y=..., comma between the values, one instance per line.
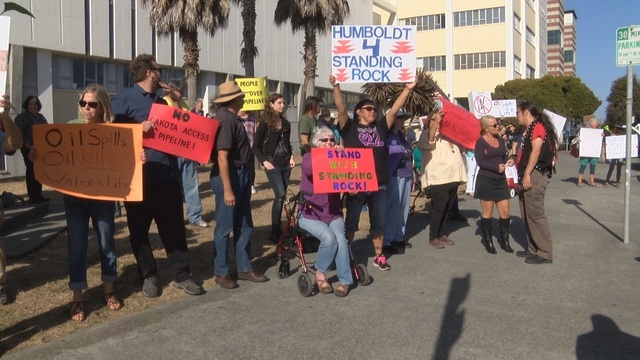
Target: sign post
x=628, y=54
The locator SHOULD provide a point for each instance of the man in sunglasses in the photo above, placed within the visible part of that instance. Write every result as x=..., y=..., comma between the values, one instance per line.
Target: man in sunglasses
x=162, y=198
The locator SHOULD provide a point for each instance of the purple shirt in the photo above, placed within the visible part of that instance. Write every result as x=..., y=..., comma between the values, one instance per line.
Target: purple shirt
x=400, y=156
x=323, y=207
x=489, y=158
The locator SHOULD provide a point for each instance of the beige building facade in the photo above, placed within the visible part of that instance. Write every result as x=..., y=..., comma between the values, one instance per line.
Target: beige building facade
x=473, y=46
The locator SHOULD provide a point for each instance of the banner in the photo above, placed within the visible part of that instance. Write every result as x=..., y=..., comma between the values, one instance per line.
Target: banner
x=459, y=125
x=181, y=133
x=348, y=170
x=5, y=27
x=371, y=53
x=617, y=146
x=590, y=142
x=255, y=93
x=504, y=108
x=480, y=103
x=96, y=161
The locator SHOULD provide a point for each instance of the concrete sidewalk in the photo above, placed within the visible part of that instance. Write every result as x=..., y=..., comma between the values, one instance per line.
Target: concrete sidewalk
x=456, y=303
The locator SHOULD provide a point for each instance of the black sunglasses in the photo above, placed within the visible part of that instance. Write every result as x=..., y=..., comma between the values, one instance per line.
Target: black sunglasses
x=157, y=69
x=494, y=126
x=92, y=104
x=324, y=140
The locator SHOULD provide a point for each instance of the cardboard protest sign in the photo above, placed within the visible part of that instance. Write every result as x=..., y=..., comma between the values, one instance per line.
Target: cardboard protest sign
x=480, y=103
x=459, y=125
x=372, y=53
x=97, y=161
x=504, y=108
x=181, y=133
x=590, y=142
x=5, y=26
x=557, y=120
x=343, y=170
x=255, y=92
x=617, y=146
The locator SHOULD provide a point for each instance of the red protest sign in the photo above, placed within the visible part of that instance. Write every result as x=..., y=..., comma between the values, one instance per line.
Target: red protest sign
x=343, y=170
x=459, y=125
x=181, y=133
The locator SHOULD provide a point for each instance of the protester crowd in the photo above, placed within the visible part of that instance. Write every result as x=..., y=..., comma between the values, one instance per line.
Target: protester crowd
x=403, y=160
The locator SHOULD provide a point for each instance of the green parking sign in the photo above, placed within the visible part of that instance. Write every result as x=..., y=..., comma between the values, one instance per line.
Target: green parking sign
x=628, y=45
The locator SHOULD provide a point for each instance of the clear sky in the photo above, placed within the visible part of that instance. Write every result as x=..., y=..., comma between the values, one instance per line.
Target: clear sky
x=596, y=42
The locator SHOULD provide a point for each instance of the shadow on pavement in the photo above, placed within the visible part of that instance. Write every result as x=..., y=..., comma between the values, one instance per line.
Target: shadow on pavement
x=578, y=206
x=606, y=341
x=453, y=319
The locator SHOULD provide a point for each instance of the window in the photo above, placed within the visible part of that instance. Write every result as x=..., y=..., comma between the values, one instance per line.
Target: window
x=427, y=22
x=478, y=17
x=530, y=35
x=517, y=64
x=531, y=72
x=554, y=37
x=290, y=94
x=494, y=59
x=377, y=19
x=433, y=63
x=568, y=56
x=516, y=22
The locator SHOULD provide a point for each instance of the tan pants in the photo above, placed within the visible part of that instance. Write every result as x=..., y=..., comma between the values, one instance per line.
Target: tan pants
x=3, y=264
x=534, y=218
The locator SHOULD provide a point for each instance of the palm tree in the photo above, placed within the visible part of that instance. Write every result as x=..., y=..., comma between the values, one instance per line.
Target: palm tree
x=185, y=16
x=249, y=50
x=312, y=16
x=11, y=6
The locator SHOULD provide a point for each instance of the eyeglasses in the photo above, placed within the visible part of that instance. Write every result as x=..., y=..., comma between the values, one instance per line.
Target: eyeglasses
x=494, y=126
x=324, y=140
x=369, y=108
x=92, y=104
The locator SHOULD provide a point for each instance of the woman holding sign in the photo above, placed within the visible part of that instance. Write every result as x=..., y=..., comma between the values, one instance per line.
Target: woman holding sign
x=365, y=131
x=93, y=107
x=584, y=161
x=321, y=216
x=272, y=147
x=491, y=186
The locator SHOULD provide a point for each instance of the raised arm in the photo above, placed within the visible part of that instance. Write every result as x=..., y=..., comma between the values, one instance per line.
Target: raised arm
x=399, y=103
x=337, y=97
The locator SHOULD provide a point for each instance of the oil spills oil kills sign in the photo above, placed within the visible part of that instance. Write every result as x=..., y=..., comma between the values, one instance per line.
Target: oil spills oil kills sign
x=98, y=161
x=347, y=170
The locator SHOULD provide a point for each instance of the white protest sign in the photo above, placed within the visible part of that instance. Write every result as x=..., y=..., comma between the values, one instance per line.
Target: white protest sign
x=511, y=173
x=617, y=146
x=5, y=23
x=370, y=53
x=557, y=121
x=590, y=142
x=504, y=108
x=480, y=103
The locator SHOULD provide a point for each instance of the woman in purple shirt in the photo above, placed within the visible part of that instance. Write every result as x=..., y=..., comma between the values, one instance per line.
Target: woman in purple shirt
x=491, y=182
x=321, y=216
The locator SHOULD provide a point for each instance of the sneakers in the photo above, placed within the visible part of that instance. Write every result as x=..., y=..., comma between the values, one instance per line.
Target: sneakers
x=189, y=287
x=253, y=189
x=3, y=297
x=200, y=223
x=380, y=261
x=150, y=287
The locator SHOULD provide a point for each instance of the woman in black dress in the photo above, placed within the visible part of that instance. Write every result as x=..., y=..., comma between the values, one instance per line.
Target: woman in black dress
x=491, y=184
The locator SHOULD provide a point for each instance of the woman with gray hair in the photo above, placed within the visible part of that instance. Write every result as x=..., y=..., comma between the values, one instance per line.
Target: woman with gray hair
x=321, y=216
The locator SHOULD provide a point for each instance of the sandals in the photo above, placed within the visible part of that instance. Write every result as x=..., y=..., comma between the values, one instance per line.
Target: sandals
x=324, y=287
x=606, y=184
x=593, y=184
x=579, y=184
x=111, y=302
x=342, y=290
x=617, y=185
x=77, y=311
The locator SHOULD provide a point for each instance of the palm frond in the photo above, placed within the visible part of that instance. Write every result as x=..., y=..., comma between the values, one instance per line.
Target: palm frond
x=420, y=100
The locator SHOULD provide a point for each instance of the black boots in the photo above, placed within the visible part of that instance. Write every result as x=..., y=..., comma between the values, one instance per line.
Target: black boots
x=503, y=240
x=487, y=241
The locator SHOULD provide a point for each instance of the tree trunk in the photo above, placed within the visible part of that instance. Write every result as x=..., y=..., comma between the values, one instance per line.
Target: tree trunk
x=249, y=50
x=310, y=58
x=191, y=68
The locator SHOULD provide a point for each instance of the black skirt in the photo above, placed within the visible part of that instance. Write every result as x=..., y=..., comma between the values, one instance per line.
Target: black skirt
x=491, y=189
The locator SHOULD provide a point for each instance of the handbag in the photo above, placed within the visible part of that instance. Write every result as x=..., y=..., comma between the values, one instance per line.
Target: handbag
x=575, y=152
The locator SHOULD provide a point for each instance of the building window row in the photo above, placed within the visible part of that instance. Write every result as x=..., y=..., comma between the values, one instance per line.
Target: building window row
x=478, y=17
x=554, y=37
x=433, y=63
x=530, y=35
x=427, y=22
x=494, y=59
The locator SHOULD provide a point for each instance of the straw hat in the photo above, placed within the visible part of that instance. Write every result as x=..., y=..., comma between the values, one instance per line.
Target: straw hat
x=228, y=91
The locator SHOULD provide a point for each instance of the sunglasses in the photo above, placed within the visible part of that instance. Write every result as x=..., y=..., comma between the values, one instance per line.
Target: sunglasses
x=156, y=69
x=369, y=108
x=494, y=126
x=92, y=104
x=327, y=139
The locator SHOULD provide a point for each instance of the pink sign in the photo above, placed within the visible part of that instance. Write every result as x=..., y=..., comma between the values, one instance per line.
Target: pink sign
x=181, y=133
x=459, y=125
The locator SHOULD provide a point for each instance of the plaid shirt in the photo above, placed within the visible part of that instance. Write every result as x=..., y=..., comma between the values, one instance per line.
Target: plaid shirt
x=250, y=128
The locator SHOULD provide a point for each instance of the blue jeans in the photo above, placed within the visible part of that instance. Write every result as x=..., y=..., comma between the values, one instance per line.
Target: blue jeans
x=189, y=181
x=279, y=180
x=333, y=245
x=78, y=211
x=235, y=218
x=397, y=210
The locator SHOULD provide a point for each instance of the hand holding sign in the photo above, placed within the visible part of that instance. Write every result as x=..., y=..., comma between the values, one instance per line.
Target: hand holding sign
x=459, y=125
